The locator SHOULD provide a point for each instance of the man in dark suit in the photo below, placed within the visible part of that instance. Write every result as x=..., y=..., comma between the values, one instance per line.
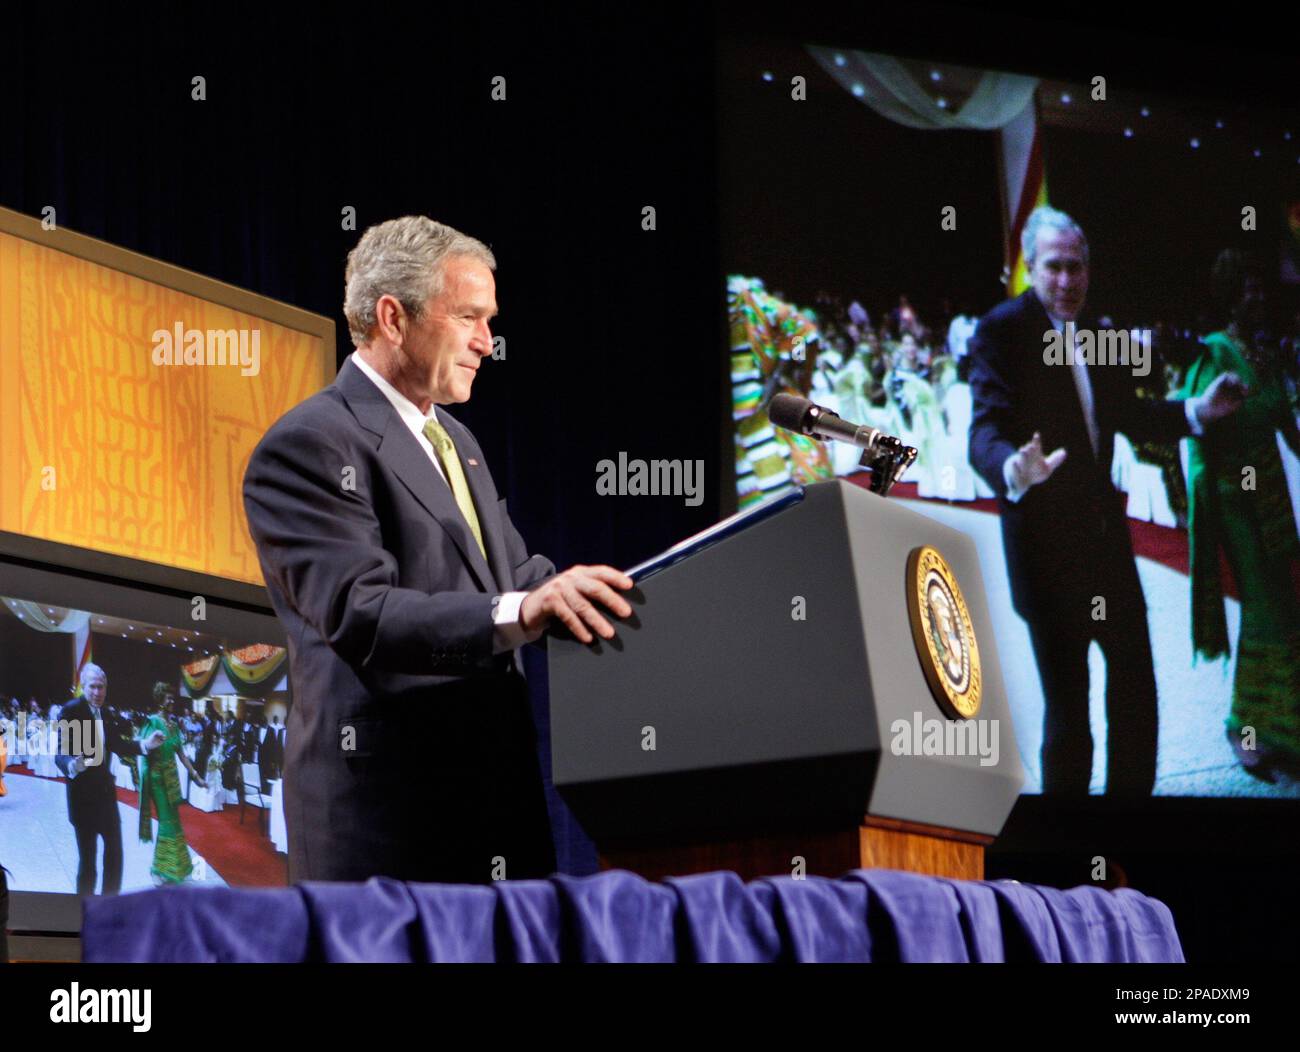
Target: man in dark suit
x=404, y=589
x=248, y=740
x=272, y=750
x=1064, y=528
x=232, y=771
x=93, y=732
x=207, y=739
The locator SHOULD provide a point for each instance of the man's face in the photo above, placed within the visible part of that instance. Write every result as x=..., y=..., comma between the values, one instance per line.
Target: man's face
x=1059, y=273
x=444, y=349
x=95, y=688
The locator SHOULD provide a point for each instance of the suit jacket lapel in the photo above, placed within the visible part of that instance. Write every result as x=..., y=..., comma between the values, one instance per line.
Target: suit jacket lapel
x=401, y=451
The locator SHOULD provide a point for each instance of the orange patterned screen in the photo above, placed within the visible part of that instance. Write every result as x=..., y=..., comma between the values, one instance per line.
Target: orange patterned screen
x=102, y=447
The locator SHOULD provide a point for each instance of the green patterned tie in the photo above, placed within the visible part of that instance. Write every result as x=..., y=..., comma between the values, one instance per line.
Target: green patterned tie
x=446, y=450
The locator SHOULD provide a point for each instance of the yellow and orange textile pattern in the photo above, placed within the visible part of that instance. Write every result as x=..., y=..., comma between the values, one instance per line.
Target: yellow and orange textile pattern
x=103, y=449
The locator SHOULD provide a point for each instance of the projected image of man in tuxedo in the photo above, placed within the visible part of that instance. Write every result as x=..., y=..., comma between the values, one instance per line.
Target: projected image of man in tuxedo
x=92, y=793
x=404, y=589
x=1064, y=527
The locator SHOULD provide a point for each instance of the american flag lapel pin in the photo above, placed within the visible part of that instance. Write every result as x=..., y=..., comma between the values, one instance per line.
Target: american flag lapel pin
x=472, y=462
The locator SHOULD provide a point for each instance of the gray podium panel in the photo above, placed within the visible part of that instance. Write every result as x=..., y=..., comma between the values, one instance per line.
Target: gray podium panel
x=758, y=683
x=962, y=791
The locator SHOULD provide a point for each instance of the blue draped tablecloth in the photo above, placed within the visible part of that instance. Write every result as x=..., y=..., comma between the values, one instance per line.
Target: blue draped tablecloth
x=866, y=915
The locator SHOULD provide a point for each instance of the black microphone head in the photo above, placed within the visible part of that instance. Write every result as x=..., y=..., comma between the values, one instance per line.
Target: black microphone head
x=789, y=411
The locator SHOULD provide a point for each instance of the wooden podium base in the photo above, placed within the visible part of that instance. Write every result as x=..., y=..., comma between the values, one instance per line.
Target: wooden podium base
x=879, y=843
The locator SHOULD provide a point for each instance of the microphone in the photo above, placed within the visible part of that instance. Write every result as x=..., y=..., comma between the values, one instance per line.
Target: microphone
x=884, y=455
x=807, y=418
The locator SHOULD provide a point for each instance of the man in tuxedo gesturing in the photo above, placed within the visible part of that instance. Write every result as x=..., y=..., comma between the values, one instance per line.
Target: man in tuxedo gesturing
x=404, y=589
x=272, y=750
x=92, y=792
x=1064, y=528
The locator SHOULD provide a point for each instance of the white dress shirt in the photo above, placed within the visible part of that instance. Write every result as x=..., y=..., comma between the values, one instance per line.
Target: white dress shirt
x=507, y=632
x=1083, y=385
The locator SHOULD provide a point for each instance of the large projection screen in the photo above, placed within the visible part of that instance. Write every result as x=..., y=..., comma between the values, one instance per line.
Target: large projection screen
x=117, y=440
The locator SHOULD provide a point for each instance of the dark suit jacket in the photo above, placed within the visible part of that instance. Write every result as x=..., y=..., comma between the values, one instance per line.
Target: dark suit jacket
x=92, y=794
x=248, y=744
x=207, y=739
x=1056, y=535
x=407, y=737
x=272, y=753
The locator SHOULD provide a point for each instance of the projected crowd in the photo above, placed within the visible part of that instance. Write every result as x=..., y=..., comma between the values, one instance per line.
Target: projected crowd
x=905, y=372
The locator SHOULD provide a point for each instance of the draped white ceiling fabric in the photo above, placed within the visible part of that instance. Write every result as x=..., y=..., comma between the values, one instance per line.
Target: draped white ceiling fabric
x=1002, y=103
x=33, y=615
x=885, y=84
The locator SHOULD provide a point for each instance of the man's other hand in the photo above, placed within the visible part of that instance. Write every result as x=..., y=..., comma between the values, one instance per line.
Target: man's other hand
x=1030, y=467
x=1222, y=398
x=570, y=598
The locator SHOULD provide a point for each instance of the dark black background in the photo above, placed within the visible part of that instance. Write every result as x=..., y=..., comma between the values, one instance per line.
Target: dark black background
x=615, y=336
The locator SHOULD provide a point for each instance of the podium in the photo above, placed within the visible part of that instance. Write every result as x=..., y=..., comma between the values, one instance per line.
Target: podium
x=768, y=707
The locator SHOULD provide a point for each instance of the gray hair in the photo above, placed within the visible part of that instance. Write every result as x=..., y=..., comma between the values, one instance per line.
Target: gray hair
x=1045, y=217
x=402, y=258
x=88, y=668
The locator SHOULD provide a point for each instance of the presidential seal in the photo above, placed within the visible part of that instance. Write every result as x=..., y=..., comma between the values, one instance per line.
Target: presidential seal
x=944, y=635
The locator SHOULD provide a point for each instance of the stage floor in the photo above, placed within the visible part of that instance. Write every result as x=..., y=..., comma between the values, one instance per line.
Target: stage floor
x=39, y=847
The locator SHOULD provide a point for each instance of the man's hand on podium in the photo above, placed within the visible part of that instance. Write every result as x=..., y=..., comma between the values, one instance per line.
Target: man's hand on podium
x=568, y=597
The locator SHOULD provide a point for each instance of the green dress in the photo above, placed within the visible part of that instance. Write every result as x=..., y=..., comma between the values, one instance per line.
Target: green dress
x=1256, y=530
x=160, y=789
